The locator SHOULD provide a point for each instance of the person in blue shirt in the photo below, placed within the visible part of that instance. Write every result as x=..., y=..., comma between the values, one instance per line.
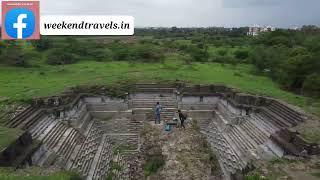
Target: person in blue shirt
x=158, y=110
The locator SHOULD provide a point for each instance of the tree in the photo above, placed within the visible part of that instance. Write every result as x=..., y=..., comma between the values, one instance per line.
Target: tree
x=311, y=85
x=241, y=54
x=14, y=55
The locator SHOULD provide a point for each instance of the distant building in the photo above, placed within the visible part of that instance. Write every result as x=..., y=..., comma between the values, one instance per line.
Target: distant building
x=256, y=30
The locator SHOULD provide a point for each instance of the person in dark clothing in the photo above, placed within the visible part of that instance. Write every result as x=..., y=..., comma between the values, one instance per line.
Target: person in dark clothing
x=158, y=110
x=182, y=118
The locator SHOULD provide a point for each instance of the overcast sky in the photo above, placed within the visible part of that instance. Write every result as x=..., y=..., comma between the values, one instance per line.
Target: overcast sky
x=191, y=13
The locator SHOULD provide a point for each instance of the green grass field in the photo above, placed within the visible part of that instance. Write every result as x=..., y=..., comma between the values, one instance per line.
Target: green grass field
x=36, y=173
x=7, y=136
x=25, y=83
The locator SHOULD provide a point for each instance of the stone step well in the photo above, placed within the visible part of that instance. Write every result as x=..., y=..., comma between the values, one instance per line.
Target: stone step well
x=21, y=117
x=53, y=136
x=288, y=110
x=39, y=128
x=276, y=120
x=264, y=123
x=229, y=156
x=83, y=160
x=29, y=119
x=70, y=139
x=284, y=112
x=254, y=132
x=102, y=166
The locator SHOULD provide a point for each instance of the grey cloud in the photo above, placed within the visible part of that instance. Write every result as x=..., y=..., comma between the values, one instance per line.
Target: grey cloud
x=193, y=13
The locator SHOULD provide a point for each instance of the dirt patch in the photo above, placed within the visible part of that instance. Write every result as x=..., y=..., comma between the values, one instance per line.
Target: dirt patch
x=179, y=154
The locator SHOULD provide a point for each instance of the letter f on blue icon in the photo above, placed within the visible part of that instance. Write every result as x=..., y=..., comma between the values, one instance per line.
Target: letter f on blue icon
x=20, y=23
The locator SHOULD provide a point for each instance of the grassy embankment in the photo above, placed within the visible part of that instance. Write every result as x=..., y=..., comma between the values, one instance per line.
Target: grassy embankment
x=25, y=83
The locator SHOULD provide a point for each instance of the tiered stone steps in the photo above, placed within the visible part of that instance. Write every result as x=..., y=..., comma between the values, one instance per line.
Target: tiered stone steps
x=67, y=144
x=148, y=104
x=84, y=158
x=38, y=129
x=254, y=132
x=229, y=157
x=135, y=125
x=264, y=123
x=101, y=168
x=21, y=117
x=275, y=118
x=26, y=119
x=285, y=113
x=241, y=139
x=54, y=135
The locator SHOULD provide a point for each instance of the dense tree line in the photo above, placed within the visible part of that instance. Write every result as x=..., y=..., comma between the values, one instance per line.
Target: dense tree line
x=289, y=57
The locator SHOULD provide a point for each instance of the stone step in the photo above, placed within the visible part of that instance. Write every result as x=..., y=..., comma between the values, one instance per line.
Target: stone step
x=53, y=138
x=97, y=157
x=260, y=126
x=225, y=151
x=34, y=121
x=269, y=126
x=285, y=108
x=274, y=118
x=67, y=145
x=20, y=123
x=37, y=130
x=21, y=116
x=253, y=132
x=284, y=114
x=242, y=146
x=47, y=130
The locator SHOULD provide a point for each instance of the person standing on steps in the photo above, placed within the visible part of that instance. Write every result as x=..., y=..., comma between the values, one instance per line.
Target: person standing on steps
x=182, y=118
x=158, y=110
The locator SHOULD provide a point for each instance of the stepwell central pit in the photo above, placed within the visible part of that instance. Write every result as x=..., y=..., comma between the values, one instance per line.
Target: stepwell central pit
x=86, y=132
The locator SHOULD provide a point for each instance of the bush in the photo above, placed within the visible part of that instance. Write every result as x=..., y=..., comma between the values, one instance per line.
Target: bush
x=60, y=57
x=153, y=164
x=241, y=54
x=147, y=53
x=311, y=85
x=14, y=55
x=100, y=54
x=42, y=44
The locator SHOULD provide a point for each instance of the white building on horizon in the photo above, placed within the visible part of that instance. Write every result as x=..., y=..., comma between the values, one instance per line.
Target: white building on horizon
x=255, y=30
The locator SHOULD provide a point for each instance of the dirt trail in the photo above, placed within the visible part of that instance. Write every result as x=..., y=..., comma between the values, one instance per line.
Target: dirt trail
x=185, y=152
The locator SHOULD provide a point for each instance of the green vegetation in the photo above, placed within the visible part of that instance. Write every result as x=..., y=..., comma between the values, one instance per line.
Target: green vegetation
x=21, y=84
x=114, y=167
x=255, y=176
x=270, y=64
x=8, y=135
x=152, y=165
x=317, y=174
x=34, y=174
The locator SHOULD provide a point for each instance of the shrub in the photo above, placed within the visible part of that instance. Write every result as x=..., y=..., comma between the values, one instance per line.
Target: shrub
x=14, y=55
x=153, y=164
x=100, y=54
x=241, y=54
x=60, y=57
x=311, y=85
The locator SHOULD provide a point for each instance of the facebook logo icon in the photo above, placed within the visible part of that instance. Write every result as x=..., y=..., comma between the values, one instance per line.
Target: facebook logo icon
x=20, y=20
x=20, y=23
